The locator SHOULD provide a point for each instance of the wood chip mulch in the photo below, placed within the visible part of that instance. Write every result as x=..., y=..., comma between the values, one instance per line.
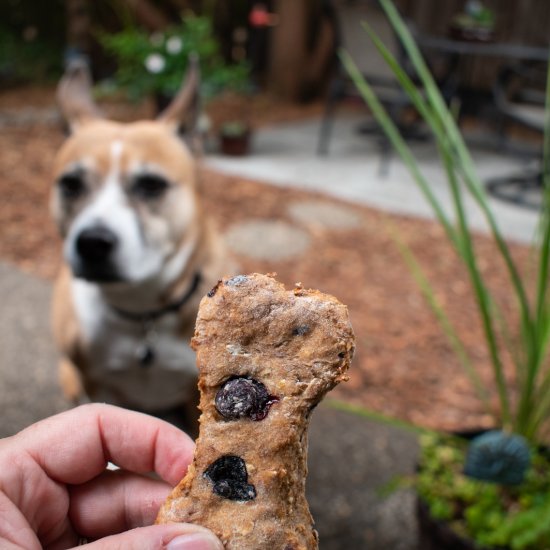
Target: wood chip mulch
x=404, y=366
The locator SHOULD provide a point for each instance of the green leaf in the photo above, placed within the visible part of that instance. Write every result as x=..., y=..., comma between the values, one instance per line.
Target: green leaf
x=529, y=349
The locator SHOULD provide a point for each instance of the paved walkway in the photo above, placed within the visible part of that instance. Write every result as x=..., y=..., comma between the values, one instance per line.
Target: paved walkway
x=29, y=388
x=285, y=155
x=351, y=458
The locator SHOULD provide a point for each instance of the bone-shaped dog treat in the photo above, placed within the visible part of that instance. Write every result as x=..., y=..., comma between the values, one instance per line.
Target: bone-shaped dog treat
x=266, y=357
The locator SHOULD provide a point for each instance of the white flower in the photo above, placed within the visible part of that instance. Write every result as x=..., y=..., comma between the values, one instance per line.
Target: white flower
x=155, y=63
x=174, y=45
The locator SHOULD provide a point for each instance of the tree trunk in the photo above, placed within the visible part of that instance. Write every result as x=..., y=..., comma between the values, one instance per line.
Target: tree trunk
x=78, y=26
x=288, y=48
x=301, y=47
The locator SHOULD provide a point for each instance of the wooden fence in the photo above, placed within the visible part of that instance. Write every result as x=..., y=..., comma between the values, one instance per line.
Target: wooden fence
x=517, y=21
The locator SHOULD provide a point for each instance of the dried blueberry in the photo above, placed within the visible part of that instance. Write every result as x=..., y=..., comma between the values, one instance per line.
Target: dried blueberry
x=243, y=397
x=229, y=477
x=234, y=490
x=227, y=467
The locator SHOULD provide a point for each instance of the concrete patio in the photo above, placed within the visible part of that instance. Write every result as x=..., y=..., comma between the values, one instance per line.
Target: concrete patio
x=286, y=155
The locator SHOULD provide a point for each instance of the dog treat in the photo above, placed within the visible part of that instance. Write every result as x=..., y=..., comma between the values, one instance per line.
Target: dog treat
x=266, y=357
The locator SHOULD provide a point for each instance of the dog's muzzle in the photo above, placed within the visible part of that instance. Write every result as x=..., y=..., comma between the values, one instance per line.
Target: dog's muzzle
x=95, y=249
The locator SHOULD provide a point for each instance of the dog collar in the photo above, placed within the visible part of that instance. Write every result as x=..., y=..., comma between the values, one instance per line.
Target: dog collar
x=153, y=315
x=146, y=352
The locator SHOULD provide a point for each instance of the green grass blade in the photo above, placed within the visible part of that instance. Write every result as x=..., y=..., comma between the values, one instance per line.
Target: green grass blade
x=466, y=163
x=396, y=139
x=544, y=247
x=443, y=319
x=541, y=402
x=482, y=295
x=459, y=240
x=542, y=283
x=410, y=88
x=462, y=240
x=539, y=351
x=534, y=328
x=369, y=414
x=546, y=144
x=407, y=157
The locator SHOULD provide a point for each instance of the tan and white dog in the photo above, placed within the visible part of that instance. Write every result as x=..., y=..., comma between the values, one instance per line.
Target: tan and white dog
x=140, y=252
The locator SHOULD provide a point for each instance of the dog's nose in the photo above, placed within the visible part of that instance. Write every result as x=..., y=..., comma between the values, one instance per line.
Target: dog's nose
x=96, y=243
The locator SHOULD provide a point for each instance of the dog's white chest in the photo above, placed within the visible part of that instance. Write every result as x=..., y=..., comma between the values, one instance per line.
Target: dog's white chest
x=114, y=347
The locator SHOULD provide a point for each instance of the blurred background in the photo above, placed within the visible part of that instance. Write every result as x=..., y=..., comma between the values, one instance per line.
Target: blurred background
x=301, y=181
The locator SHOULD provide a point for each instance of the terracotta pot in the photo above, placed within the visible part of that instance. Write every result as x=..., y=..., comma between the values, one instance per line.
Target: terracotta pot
x=235, y=145
x=471, y=34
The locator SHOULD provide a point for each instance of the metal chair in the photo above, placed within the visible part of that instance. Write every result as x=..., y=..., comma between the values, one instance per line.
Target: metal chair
x=388, y=90
x=519, y=94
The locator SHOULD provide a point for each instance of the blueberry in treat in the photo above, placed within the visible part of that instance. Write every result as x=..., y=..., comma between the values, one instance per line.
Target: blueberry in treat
x=229, y=476
x=234, y=490
x=228, y=467
x=243, y=397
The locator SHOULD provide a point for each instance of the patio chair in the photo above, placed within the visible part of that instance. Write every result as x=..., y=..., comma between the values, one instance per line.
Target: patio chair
x=388, y=90
x=519, y=95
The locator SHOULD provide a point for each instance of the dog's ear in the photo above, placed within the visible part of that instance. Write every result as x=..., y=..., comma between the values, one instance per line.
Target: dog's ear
x=74, y=94
x=183, y=112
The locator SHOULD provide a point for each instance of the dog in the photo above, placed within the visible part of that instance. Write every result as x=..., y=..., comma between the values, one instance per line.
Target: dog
x=139, y=253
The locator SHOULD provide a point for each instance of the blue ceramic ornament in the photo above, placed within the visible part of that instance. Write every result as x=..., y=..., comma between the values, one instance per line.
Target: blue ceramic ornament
x=498, y=457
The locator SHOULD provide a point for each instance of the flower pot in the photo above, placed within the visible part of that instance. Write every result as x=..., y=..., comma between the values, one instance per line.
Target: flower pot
x=472, y=34
x=235, y=144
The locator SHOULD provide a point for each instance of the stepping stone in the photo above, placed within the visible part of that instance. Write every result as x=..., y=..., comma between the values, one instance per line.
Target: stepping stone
x=267, y=240
x=325, y=214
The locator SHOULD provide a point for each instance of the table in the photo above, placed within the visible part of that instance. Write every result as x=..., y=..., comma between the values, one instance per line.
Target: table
x=508, y=50
x=457, y=51
x=523, y=189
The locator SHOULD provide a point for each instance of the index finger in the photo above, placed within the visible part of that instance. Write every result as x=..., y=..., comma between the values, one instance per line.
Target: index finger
x=75, y=446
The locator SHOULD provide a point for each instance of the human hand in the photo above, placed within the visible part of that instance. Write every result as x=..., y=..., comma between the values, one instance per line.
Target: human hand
x=55, y=489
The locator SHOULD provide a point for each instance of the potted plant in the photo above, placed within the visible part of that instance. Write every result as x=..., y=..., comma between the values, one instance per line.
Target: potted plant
x=154, y=64
x=492, y=491
x=475, y=24
x=464, y=504
x=235, y=137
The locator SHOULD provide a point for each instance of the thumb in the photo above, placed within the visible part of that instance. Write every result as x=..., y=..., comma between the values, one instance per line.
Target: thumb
x=174, y=536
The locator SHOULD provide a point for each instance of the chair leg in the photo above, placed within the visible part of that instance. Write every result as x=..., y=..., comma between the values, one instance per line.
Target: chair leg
x=525, y=189
x=326, y=128
x=335, y=94
x=385, y=157
x=386, y=147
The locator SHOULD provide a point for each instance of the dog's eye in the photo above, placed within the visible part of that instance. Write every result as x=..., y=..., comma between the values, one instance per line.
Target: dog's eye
x=71, y=186
x=149, y=186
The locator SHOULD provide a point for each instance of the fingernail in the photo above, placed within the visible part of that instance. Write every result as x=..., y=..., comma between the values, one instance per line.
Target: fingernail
x=194, y=541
